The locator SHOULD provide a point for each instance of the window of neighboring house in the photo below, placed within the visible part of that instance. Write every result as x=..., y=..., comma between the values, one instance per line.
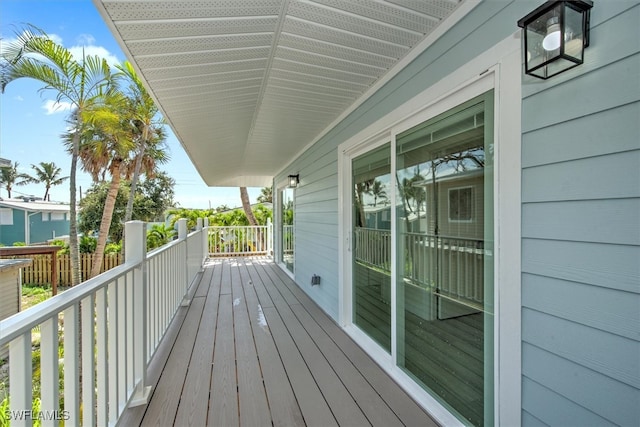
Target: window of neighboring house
x=57, y=216
x=460, y=204
x=45, y=216
x=6, y=216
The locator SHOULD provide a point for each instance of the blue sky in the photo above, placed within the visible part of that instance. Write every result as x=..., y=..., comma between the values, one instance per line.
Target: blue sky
x=31, y=125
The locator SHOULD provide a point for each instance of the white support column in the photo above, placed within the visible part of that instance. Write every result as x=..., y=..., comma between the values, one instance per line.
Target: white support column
x=136, y=251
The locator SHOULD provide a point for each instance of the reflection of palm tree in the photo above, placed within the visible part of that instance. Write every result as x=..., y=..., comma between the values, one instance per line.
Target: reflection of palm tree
x=377, y=191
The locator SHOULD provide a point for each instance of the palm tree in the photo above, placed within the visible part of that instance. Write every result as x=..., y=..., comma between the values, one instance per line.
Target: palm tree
x=266, y=195
x=106, y=146
x=246, y=206
x=148, y=133
x=82, y=83
x=9, y=176
x=160, y=234
x=49, y=174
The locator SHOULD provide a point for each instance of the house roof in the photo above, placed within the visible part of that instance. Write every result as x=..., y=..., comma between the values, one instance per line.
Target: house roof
x=35, y=206
x=246, y=85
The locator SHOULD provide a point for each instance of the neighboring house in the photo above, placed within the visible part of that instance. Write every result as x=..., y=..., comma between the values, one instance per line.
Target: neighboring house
x=32, y=221
x=543, y=326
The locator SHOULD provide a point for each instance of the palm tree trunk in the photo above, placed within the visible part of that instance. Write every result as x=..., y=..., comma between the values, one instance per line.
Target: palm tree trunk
x=73, y=223
x=134, y=185
x=105, y=223
x=246, y=206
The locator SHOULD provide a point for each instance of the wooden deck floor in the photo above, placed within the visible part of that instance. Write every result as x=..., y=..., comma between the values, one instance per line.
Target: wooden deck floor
x=253, y=350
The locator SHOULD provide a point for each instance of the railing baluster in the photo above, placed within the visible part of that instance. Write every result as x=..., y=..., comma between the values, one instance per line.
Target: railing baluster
x=102, y=386
x=112, y=295
x=71, y=366
x=49, y=370
x=20, y=375
x=88, y=360
x=122, y=341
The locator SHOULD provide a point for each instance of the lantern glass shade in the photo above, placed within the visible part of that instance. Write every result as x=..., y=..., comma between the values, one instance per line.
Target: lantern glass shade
x=555, y=35
x=293, y=181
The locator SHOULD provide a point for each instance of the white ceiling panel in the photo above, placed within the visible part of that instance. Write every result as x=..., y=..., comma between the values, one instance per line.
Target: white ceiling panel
x=247, y=84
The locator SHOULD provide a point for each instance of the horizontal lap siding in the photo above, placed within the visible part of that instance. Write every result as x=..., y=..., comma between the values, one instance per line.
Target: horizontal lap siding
x=316, y=198
x=581, y=232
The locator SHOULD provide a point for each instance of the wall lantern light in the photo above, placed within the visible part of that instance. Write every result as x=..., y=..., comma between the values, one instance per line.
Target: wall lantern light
x=555, y=35
x=294, y=180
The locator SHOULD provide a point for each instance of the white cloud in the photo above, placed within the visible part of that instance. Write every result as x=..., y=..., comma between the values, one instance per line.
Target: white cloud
x=53, y=107
x=91, y=50
x=18, y=98
x=85, y=40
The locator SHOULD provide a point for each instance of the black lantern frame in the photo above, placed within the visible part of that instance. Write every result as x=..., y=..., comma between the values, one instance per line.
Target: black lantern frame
x=294, y=180
x=555, y=35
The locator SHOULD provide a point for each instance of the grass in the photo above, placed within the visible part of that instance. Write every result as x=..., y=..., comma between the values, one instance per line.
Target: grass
x=34, y=294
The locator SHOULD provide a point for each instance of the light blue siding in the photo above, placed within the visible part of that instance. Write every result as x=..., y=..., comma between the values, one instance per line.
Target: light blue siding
x=581, y=232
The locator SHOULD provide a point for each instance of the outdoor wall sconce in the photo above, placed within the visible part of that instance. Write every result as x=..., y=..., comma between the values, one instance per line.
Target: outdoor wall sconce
x=555, y=35
x=294, y=180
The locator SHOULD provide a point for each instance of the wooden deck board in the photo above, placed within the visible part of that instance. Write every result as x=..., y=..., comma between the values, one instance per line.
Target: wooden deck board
x=194, y=403
x=280, y=396
x=166, y=396
x=252, y=398
x=254, y=350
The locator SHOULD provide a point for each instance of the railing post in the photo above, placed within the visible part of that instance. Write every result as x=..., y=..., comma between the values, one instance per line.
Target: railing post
x=269, y=237
x=136, y=251
x=205, y=240
x=182, y=235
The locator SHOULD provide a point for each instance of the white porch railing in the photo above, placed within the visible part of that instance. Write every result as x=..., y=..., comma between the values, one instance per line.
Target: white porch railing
x=240, y=240
x=109, y=327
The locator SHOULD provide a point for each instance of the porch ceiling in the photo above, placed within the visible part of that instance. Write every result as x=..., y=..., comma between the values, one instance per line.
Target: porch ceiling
x=247, y=84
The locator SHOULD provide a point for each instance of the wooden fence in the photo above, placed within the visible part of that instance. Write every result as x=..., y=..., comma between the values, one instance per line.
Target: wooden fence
x=39, y=273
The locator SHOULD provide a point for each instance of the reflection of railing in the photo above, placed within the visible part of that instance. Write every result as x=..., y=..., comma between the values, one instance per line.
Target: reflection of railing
x=287, y=239
x=373, y=247
x=240, y=240
x=453, y=267
x=108, y=327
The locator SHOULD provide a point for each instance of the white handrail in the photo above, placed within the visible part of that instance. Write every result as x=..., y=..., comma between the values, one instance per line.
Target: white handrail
x=111, y=326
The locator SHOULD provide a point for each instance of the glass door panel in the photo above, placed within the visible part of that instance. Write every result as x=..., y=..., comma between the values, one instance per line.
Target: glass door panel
x=444, y=212
x=371, y=177
x=286, y=228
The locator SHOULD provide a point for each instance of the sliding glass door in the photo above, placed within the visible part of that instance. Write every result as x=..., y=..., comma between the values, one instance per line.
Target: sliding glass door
x=371, y=255
x=421, y=254
x=444, y=284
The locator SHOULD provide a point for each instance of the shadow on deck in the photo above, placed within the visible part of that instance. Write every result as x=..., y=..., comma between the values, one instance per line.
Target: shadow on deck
x=253, y=350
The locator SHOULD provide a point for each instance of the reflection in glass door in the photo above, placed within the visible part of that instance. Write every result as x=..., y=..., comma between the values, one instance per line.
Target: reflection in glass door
x=286, y=228
x=444, y=288
x=371, y=263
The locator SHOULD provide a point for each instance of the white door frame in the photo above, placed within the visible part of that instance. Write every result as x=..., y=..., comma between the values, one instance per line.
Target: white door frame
x=499, y=69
